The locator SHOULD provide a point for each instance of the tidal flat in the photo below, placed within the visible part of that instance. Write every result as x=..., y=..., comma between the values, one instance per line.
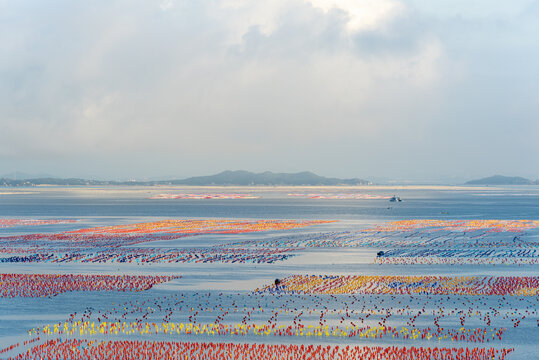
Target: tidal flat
x=269, y=272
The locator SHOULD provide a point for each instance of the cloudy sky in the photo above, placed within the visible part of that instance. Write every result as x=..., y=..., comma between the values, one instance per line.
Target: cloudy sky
x=350, y=88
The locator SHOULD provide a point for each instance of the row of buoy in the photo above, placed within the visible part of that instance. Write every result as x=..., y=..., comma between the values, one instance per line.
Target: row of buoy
x=339, y=196
x=295, y=241
x=87, y=328
x=305, y=310
x=33, y=222
x=43, y=285
x=156, y=255
x=75, y=242
x=222, y=226
x=126, y=350
x=125, y=235
x=459, y=225
x=423, y=234
x=16, y=345
x=205, y=196
x=510, y=261
x=408, y=285
x=492, y=256
x=468, y=253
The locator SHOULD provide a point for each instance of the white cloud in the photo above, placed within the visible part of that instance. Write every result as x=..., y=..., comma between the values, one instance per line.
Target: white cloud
x=241, y=15
x=267, y=16
x=363, y=14
x=166, y=4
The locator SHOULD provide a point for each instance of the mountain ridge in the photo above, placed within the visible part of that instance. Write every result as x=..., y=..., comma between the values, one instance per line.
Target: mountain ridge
x=242, y=177
x=502, y=180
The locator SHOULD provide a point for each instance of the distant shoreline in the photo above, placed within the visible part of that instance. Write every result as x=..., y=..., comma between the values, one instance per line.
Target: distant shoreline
x=266, y=179
x=225, y=178
x=230, y=188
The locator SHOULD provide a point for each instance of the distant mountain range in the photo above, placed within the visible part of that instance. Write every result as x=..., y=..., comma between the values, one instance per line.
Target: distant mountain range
x=238, y=178
x=503, y=180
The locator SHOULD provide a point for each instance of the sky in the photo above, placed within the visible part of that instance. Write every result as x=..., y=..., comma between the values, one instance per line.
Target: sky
x=414, y=89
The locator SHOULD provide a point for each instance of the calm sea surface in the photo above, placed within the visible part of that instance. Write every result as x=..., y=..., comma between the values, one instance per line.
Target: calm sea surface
x=466, y=203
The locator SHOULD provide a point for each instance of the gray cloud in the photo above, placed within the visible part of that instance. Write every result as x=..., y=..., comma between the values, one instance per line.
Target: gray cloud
x=118, y=89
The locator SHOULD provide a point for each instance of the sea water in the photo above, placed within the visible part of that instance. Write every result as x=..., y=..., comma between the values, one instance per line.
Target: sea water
x=123, y=205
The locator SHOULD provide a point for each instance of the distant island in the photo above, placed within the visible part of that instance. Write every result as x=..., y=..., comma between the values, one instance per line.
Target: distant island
x=225, y=178
x=503, y=180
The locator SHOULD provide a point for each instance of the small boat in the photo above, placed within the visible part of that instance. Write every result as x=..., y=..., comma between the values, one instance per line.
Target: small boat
x=395, y=199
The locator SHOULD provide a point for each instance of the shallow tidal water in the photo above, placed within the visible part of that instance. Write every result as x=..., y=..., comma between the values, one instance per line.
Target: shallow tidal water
x=232, y=286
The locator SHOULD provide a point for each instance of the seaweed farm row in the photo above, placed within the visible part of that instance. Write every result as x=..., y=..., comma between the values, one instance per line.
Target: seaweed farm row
x=168, y=310
x=204, y=196
x=229, y=196
x=466, y=242
x=42, y=285
x=211, y=317
x=496, y=256
x=83, y=349
x=139, y=233
x=432, y=285
x=4, y=223
x=143, y=256
x=420, y=234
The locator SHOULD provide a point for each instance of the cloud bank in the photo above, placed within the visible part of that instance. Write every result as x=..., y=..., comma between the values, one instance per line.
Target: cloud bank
x=343, y=88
